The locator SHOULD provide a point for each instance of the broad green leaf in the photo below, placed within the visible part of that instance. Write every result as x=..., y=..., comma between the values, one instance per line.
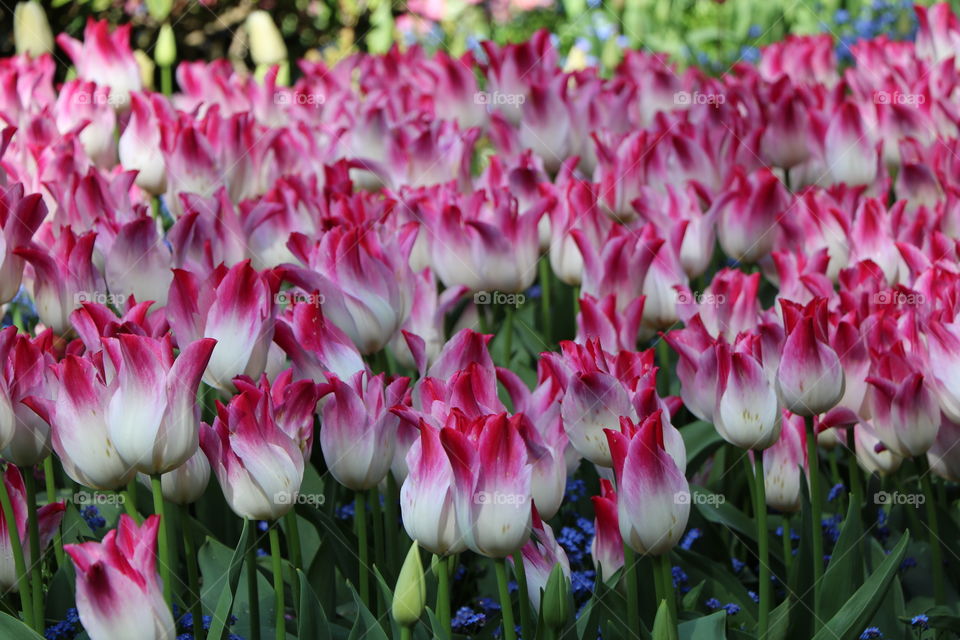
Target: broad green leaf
x=312, y=622
x=711, y=627
x=663, y=627
x=845, y=571
x=225, y=601
x=712, y=508
x=13, y=629
x=855, y=615
x=366, y=627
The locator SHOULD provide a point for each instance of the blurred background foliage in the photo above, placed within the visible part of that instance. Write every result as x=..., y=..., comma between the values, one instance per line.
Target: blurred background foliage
x=708, y=33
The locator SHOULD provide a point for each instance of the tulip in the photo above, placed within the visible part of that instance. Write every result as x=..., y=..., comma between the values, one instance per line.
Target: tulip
x=187, y=483
x=259, y=467
x=315, y=345
x=359, y=430
x=410, y=594
x=31, y=31
x=153, y=416
x=27, y=374
x=653, y=503
x=849, y=149
x=139, y=263
x=872, y=455
x=86, y=107
x=607, y=546
x=943, y=456
x=696, y=367
x=426, y=497
x=20, y=217
x=235, y=307
x=48, y=521
x=105, y=58
x=810, y=378
x=64, y=276
x=749, y=212
x=904, y=411
x=747, y=413
x=118, y=590
x=366, y=285
x=540, y=555
x=620, y=267
x=165, y=52
x=785, y=464
x=492, y=479
x=140, y=143
x=615, y=330
x=425, y=322
x=78, y=421
x=487, y=244
x=943, y=341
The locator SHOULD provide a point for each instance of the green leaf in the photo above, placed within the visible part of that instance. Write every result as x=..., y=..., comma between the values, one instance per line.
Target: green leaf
x=845, y=571
x=13, y=629
x=780, y=620
x=225, y=600
x=343, y=548
x=711, y=627
x=366, y=627
x=663, y=627
x=713, y=508
x=312, y=622
x=700, y=439
x=692, y=597
x=941, y=617
x=859, y=609
x=699, y=567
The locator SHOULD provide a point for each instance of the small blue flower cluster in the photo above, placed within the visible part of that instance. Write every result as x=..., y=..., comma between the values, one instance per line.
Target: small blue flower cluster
x=831, y=527
x=713, y=604
x=66, y=629
x=920, y=621
x=575, y=543
x=581, y=583
x=835, y=492
x=576, y=489
x=92, y=517
x=185, y=624
x=692, y=536
x=893, y=19
x=467, y=621
x=346, y=512
x=908, y=563
x=680, y=579
x=871, y=633
x=737, y=564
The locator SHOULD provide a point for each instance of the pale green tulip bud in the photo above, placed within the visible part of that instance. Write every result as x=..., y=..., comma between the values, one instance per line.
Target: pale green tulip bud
x=266, y=43
x=31, y=31
x=165, y=53
x=410, y=595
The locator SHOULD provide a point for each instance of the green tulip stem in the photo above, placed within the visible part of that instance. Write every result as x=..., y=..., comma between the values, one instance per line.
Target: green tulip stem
x=506, y=607
x=763, y=546
x=51, y=487
x=277, y=562
x=163, y=539
x=23, y=578
x=526, y=625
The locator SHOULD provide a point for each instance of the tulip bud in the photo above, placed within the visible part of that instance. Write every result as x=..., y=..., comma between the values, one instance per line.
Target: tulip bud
x=654, y=500
x=872, y=455
x=159, y=9
x=556, y=599
x=410, y=595
x=747, y=414
x=266, y=43
x=165, y=53
x=782, y=463
x=186, y=483
x=31, y=31
x=810, y=379
x=147, y=67
x=662, y=626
